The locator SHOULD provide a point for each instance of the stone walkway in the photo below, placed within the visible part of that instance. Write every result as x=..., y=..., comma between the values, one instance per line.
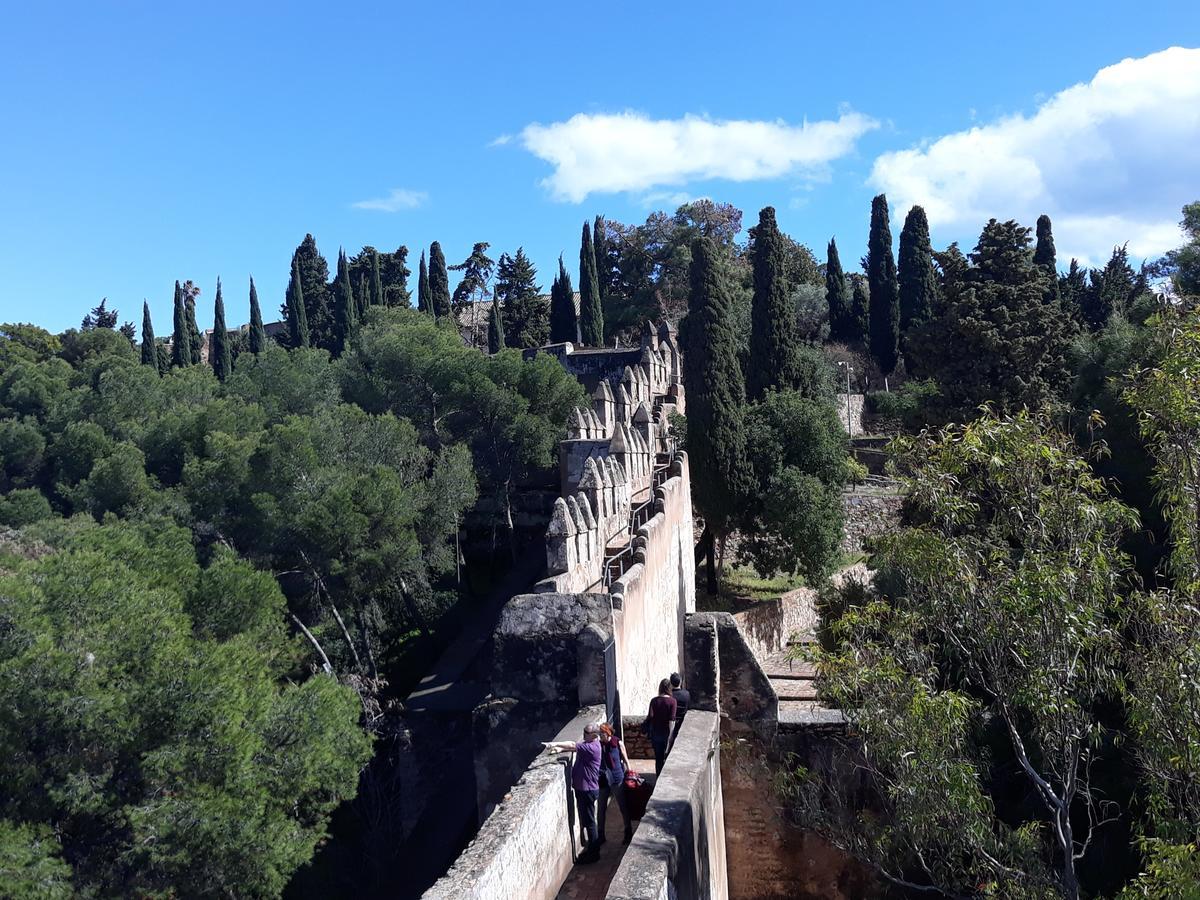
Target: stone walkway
x=591, y=882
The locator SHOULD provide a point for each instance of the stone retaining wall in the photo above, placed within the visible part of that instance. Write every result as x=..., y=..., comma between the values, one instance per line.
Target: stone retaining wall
x=868, y=515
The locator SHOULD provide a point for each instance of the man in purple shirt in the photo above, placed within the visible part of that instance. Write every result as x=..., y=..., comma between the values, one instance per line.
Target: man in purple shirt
x=585, y=781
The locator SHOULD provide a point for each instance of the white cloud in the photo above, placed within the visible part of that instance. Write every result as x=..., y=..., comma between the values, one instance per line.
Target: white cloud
x=396, y=200
x=500, y=141
x=1110, y=161
x=666, y=200
x=608, y=153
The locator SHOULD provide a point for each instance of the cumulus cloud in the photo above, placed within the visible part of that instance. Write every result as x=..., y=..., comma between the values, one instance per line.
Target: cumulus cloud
x=396, y=200
x=608, y=153
x=1111, y=160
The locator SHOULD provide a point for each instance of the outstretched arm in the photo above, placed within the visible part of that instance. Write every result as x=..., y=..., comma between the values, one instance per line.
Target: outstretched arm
x=559, y=746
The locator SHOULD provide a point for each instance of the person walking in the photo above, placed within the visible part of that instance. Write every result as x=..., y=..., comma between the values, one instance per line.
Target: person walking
x=614, y=762
x=660, y=719
x=585, y=781
x=682, y=701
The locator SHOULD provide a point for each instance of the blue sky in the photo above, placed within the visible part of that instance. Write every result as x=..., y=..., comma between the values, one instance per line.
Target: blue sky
x=142, y=143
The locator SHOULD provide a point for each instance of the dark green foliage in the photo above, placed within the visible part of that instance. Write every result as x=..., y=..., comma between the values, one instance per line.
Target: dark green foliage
x=164, y=356
x=773, y=324
x=258, y=335
x=477, y=275
x=424, y=300
x=526, y=313
x=591, y=313
x=295, y=313
x=884, y=323
x=1071, y=288
x=903, y=408
x=917, y=279
x=218, y=351
x=394, y=274
x=1045, y=257
x=837, y=295
x=716, y=394
x=564, y=325
x=1182, y=265
x=195, y=338
x=100, y=317
x=603, y=259
x=344, y=309
x=1110, y=290
x=149, y=353
x=495, y=327
x=314, y=288
x=439, y=282
x=860, y=309
x=376, y=280
x=181, y=341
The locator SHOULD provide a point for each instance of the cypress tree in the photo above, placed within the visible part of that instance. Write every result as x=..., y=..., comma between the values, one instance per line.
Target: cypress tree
x=164, y=357
x=841, y=326
x=439, y=282
x=424, y=304
x=314, y=288
x=563, y=324
x=343, y=306
x=860, y=310
x=495, y=327
x=716, y=396
x=884, y=291
x=603, y=270
x=218, y=351
x=297, y=321
x=181, y=344
x=362, y=297
x=917, y=278
x=258, y=334
x=1045, y=257
x=376, y=298
x=195, y=338
x=772, y=359
x=149, y=351
x=591, y=314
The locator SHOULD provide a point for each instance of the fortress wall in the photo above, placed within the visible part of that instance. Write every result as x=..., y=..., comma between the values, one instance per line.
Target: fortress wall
x=652, y=598
x=528, y=844
x=678, y=849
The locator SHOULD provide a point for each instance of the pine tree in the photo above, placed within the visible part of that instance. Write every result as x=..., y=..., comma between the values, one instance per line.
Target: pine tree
x=218, y=351
x=1109, y=290
x=1046, y=258
x=195, y=338
x=716, y=396
x=314, y=288
x=885, y=293
x=591, y=314
x=525, y=312
x=860, y=309
x=1071, y=288
x=343, y=307
x=439, y=282
x=564, y=326
x=297, y=321
x=149, y=351
x=917, y=278
x=394, y=272
x=837, y=295
x=258, y=334
x=495, y=327
x=424, y=302
x=376, y=298
x=181, y=343
x=772, y=361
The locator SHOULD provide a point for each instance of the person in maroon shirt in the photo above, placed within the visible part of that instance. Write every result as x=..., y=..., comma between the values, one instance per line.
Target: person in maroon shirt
x=660, y=719
x=585, y=780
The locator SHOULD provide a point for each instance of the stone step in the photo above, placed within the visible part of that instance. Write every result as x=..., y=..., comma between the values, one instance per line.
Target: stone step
x=794, y=689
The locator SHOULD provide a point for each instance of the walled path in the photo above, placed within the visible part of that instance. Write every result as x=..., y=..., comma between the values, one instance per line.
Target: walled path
x=590, y=882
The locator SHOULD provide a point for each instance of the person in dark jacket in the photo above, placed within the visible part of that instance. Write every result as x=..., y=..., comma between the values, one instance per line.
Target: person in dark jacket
x=614, y=763
x=682, y=701
x=659, y=720
x=585, y=780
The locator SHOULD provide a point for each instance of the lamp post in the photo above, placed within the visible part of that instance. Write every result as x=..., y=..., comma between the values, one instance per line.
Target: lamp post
x=849, y=421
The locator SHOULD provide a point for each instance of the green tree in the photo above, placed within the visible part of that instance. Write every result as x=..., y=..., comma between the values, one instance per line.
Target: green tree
x=218, y=351
x=773, y=322
x=376, y=280
x=314, y=288
x=1045, y=257
x=296, y=315
x=344, y=311
x=149, y=353
x=712, y=379
x=258, y=334
x=977, y=677
x=439, y=283
x=564, y=324
x=394, y=274
x=191, y=291
x=591, y=313
x=860, y=309
x=100, y=317
x=181, y=339
x=526, y=313
x=495, y=327
x=884, y=320
x=917, y=280
x=603, y=260
x=1182, y=265
x=1110, y=290
x=424, y=301
x=837, y=296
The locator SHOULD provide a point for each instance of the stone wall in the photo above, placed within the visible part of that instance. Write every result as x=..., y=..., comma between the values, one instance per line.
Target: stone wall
x=868, y=514
x=651, y=599
x=678, y=849
x=768, y=625
x=529, y=842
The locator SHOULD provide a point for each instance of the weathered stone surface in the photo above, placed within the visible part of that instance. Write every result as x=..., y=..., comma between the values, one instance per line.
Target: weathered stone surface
x=867, y=515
